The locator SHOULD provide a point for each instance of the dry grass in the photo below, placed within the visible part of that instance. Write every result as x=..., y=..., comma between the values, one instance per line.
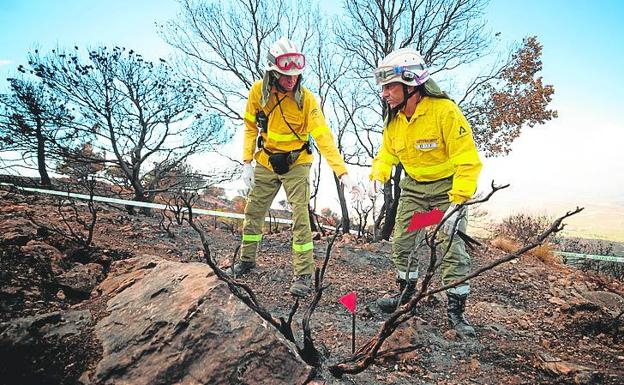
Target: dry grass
x=544, y=252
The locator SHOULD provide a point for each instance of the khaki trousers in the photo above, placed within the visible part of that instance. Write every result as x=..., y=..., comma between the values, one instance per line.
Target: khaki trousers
x=266, y=185
x=419, y=197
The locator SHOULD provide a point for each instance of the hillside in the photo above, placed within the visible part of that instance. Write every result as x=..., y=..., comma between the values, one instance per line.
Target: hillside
x=537, y=321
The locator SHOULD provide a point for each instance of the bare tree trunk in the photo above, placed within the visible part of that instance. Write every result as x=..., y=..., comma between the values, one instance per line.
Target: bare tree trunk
x=313, y=225
x=139, y=196
x=377, y=224
x=391, y=198
x=343, y=206
x=41, y=158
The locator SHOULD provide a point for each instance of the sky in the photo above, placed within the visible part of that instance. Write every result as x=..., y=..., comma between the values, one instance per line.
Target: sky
x=573, y=160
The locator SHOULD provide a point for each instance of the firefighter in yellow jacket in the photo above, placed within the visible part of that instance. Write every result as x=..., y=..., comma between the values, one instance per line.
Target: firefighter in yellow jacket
x=427, y=133
x=280, y=118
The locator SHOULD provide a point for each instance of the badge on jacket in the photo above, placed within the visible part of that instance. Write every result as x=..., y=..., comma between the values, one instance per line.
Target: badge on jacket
x=426, y=144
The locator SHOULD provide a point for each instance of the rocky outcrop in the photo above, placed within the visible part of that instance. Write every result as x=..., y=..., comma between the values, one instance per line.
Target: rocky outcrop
x=24, y=332
x=176, y=323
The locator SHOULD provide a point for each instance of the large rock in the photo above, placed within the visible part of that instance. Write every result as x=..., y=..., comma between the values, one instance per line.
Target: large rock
x=16, y=231
x=81, y=279
x=38, y=249
x=26, y=331
x=611, y=303
x=52, y=348
x=176, y=323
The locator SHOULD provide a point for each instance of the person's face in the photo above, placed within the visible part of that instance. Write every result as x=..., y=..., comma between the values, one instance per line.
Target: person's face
x=392, y=93
x=288, y=82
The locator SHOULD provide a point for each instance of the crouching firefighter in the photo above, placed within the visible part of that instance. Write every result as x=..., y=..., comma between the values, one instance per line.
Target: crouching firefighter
x=427, y=133
x=280, y=117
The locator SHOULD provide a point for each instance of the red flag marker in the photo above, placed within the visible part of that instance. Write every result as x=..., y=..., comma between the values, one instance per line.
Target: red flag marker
x=421, y=220
x=349, y=301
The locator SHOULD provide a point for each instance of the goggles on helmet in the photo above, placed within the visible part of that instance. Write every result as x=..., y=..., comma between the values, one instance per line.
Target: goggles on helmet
x=406, y=72
x=288, y=60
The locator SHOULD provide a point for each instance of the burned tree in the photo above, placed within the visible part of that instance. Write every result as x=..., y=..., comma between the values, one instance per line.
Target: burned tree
x=141, y=114
x=223, y=46
x=371, y=351
x=74, y=165
x=78, y=226
x=31, y=128
x=306, y=349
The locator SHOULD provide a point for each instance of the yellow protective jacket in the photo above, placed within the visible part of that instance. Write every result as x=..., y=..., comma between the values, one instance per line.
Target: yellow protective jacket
x=436, y=143
x=279, y=138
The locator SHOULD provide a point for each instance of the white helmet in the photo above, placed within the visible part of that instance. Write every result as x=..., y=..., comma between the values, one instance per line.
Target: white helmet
x=285, y=58
x=403, y=65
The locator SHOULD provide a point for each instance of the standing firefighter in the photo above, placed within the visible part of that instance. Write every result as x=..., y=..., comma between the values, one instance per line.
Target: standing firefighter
x=280, y=118
x=427, y=133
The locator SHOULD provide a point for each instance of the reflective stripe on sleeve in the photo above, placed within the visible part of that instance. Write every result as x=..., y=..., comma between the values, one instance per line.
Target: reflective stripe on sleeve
x=250, y=117
x=319, y=131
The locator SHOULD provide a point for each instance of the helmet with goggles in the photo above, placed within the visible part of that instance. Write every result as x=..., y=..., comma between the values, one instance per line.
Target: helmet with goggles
x=285, y=58
x=403, y=65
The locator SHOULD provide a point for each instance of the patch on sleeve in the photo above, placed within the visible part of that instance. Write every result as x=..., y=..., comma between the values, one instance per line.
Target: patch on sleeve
x=462, y=131
x=426, y=144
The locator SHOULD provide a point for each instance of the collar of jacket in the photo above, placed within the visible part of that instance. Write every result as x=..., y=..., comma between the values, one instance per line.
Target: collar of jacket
x=421, y=108
x=266, y=91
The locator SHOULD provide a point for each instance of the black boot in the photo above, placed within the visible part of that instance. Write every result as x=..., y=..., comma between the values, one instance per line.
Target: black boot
x=455, y=311
x=389, y=304
x=301, y=286
x=240, y=268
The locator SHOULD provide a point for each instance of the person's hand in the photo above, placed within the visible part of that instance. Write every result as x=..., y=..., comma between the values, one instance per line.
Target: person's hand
x=356, y=192
x=374, y=188
x=248, y=175
x=451, y=219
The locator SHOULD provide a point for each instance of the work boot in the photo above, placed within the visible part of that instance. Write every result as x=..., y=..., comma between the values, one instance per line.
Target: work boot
x=301, y=286
x=455, y=311
x=389, y=304
x=240, y=268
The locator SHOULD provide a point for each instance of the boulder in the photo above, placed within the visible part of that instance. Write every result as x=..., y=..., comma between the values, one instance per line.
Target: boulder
x=611, y=303
x=51, y=348
x=16, y=231
x=176, y=323
x=26, y=331
x=38, y=249
x=81, y=279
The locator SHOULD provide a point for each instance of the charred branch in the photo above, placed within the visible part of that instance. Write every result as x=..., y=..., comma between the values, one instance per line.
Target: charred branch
x=371, y=351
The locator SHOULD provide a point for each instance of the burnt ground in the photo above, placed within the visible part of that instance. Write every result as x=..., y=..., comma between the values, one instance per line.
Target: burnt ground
x=531, y=325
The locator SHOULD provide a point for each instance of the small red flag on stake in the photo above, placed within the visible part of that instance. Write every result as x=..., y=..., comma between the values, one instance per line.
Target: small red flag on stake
x=349, y=301
x=420, y=220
